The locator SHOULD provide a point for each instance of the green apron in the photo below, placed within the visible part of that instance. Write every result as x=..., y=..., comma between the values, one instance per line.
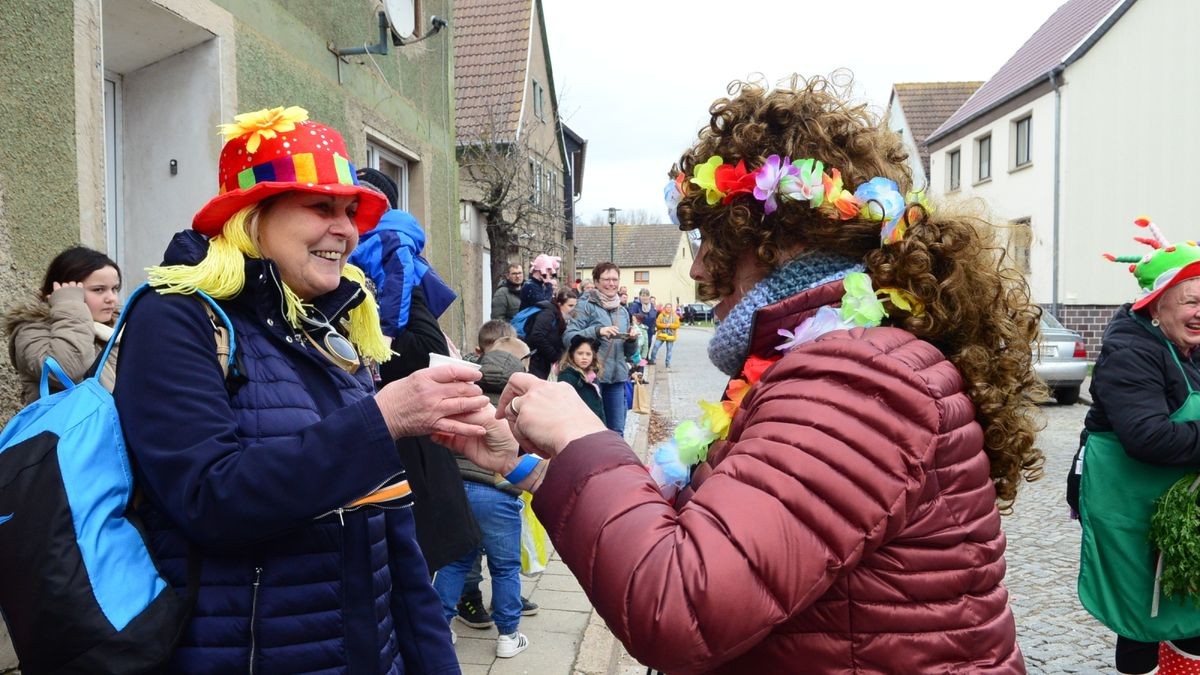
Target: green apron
x=1116, y=560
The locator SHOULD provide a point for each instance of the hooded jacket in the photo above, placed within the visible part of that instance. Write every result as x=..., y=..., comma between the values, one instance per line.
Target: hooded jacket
x=253, y=482
x=1136, y=385
x=847, y=525
x=60, y=326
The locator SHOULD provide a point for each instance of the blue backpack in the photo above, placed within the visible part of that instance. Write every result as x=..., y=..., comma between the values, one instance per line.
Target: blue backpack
x=521, y=318
x=79, y=589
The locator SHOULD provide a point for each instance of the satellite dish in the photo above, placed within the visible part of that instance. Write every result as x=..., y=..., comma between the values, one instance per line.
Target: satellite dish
x=402, y=16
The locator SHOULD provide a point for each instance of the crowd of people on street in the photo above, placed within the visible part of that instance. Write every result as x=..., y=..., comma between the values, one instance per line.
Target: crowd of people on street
x=332, y=498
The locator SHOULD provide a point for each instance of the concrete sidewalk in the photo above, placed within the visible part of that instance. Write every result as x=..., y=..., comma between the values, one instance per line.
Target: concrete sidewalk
x=566, y=637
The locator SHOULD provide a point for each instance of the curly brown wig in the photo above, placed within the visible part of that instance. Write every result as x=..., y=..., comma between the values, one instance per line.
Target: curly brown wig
x=977, y=309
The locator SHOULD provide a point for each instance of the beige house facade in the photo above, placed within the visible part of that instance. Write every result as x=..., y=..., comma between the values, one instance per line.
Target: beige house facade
x=656, y=257
x=1076, y=146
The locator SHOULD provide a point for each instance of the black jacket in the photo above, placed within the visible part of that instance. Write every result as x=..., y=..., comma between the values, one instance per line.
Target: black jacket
x=1135, y=388
x=544, y=337
x=446, y=527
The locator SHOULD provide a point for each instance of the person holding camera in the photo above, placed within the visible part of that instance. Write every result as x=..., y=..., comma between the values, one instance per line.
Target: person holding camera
x=601, y=316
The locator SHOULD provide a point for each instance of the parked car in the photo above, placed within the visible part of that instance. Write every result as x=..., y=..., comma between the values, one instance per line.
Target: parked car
x=1061, y=360
x=699, y=311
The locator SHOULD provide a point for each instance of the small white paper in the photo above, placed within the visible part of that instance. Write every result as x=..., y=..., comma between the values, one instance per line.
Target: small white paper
x=436, y=360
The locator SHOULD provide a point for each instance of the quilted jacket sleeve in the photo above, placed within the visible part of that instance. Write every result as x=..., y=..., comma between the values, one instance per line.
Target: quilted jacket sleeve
x=222, y=488
x=67, y=335
x=824, y=463
x=1130, y=384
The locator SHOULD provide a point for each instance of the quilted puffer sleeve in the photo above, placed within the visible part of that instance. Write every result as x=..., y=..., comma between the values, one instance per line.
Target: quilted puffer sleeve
x=824, y=463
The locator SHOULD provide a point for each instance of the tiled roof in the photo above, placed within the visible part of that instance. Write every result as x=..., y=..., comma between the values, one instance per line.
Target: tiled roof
x=636, y=245
x=927, y=104
x=1048, y=47
x=491, y=49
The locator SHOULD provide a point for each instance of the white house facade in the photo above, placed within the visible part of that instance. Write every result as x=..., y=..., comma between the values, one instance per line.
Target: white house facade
x=1104, y=133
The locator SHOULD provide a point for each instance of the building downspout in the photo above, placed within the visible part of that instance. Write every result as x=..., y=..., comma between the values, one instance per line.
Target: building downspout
x=1055, y=82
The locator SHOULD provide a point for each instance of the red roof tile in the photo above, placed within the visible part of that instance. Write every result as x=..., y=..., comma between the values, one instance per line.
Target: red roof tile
x=491, y=50
x=1048, y=47
x=927, y=104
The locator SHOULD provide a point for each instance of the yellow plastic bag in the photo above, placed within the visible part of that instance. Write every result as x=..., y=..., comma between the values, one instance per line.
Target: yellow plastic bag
x=535, y=543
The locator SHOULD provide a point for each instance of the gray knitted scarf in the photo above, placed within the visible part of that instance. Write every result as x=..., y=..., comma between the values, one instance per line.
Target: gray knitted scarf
x=728, y=348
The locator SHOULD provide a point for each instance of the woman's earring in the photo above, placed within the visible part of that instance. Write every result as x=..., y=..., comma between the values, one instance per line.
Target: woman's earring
x=1154, y=322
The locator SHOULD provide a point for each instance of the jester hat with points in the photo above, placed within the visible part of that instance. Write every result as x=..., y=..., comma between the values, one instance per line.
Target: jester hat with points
x=1166, y=265
x=279, y=150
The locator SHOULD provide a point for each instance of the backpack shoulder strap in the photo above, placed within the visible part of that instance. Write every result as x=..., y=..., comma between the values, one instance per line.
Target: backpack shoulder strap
x=223, y=333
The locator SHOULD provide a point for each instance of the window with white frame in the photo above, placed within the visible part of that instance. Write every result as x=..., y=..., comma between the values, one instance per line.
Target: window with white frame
x=1021, y=141
x=539, y=102
x=394, y=165
x=983, y=158
x=953, y=170
x=641, y=276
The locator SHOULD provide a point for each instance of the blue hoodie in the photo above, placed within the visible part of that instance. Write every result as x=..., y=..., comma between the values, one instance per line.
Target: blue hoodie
x=390, y=255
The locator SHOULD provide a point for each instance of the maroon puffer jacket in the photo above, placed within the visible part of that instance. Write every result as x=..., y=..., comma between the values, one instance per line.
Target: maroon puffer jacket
x=848, y=525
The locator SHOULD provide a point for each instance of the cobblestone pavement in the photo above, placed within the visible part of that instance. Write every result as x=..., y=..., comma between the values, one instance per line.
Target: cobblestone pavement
x=1055, y=633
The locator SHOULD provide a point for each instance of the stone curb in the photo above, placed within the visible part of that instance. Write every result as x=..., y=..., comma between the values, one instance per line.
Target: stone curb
x=599, y=651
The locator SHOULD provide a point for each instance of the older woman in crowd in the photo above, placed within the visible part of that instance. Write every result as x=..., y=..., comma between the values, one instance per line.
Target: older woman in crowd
x=1142, y=435
x=601, y=316
x=845, y=512
x=283, y=479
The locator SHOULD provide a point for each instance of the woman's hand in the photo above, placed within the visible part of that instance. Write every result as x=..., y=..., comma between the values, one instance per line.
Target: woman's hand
x=428, y=401
x=545, y=416
x=55, y=286
x=495, y=451
x=608, y=332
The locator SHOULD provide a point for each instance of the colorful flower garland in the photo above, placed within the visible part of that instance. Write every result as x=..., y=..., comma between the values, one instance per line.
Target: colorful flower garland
x=672, y=462
x=782, y=179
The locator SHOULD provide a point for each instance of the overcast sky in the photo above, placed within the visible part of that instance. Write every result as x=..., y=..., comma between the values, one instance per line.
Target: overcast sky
x=636, y=78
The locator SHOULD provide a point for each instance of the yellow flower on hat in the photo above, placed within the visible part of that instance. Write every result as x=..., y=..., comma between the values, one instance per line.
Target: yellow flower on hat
x=265, y=123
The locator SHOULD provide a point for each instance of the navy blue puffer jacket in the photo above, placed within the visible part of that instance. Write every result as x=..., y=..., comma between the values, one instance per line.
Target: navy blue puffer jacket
x=254, y=480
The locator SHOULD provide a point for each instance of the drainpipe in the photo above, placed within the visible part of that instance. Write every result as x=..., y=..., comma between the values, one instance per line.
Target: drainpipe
x=1055, y=82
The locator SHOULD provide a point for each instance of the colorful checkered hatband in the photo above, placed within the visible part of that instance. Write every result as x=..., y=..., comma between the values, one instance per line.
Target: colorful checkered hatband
x=305, y=167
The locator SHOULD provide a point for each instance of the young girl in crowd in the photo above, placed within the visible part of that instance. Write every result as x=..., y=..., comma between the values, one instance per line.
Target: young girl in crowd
x=580, y=367
x=71, y=319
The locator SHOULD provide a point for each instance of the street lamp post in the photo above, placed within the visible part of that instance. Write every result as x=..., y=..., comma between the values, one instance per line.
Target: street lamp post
x=612, y=233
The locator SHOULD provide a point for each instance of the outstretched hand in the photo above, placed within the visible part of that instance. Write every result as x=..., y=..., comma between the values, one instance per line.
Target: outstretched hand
x=544, y=416
x=495, y=451
x=429, y=400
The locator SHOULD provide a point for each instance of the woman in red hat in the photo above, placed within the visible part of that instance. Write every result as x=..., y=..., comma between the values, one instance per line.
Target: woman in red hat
x=1141, y=437
x=283, y=477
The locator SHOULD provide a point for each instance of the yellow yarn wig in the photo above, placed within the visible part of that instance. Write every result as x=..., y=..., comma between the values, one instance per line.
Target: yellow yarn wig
x=222, y=274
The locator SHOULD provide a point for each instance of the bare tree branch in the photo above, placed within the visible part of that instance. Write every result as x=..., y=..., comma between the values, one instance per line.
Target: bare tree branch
x=508, y=177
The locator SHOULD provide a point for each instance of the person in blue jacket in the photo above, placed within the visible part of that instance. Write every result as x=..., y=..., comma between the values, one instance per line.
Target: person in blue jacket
x=278, y=486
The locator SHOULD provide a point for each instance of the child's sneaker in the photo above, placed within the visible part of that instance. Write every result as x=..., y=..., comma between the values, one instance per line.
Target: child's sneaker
x=471, y=612
x=508, y=646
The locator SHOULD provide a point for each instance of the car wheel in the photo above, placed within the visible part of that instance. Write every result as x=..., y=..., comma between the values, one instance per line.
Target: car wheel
x=1067, y=395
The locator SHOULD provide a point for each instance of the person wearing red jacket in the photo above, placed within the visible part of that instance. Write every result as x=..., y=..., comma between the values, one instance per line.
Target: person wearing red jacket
x=845, y=514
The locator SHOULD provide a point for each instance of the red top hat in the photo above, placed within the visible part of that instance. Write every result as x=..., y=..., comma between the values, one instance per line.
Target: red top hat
x=278, y=150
